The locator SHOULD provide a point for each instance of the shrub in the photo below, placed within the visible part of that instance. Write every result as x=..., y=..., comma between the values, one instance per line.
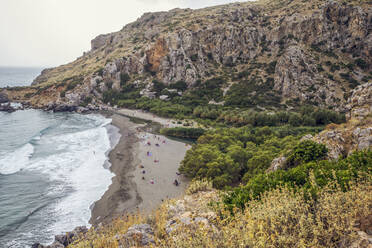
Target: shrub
x=194, y=57
x=305, y=152
x=308, y=178
x=198, y=185
x=124, y=78
x=158, y=86
x=295, y=120
x=227, y=156
x=270, y=69
x=361, y=63
x=109, y=84
x=72, y=85
x=179, y=85
x=99, y=72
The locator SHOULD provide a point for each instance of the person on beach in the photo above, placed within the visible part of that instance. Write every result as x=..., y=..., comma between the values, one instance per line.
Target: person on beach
x=176, y=182
x=143, y=172
x=152, y=181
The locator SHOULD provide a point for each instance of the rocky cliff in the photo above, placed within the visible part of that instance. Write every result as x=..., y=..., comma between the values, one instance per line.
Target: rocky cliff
x=312, y=52
x=343, y=139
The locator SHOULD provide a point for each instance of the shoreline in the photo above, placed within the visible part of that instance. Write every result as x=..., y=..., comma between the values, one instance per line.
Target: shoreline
x=129, y=192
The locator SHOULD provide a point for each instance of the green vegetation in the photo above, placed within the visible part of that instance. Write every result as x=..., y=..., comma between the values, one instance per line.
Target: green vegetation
x=229, y=156
x=305, y=152
x=309, y=178
x=72, y=85
x=182, y=132
x=361, y=63
x=124, y=78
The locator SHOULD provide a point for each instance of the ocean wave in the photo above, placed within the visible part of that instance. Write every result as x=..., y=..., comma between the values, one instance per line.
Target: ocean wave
x=70, y=155
x=17, y=160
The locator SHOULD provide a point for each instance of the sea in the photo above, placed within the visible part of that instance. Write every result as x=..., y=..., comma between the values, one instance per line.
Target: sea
x=53, y=167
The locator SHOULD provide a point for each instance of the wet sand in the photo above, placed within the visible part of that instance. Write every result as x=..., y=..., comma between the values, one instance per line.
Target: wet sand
x=128, y=191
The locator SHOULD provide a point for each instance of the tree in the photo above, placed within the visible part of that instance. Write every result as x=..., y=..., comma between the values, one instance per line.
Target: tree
x=305, y=152
x=295, y=120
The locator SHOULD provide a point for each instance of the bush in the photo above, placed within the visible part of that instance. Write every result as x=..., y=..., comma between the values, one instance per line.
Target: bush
x=361, y=63
x=308, y=178
x=305, y=152
x=198, y=185
x=270, y=69
x=194, y=57
x=179, y=85
x=158, y=86
x=227, y=156
x=295, y=120
x=72, y=85
x=124, y=78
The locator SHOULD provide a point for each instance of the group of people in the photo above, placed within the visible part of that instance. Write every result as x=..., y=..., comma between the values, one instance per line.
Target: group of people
x=149, y=154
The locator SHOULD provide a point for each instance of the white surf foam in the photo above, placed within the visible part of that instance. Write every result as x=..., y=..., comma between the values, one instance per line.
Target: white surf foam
x=78, y=161
x=15, y=161
x=74, y=162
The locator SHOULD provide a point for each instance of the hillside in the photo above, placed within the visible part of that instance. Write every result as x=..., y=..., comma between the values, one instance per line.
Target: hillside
x=280, y=95
x=266, y=54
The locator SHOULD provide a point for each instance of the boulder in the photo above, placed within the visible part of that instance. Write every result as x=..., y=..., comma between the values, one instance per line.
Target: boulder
x=7, y=108
x=142, y=234
x=37, y=245
x=164, y=97
x=277, y=163
x=3, y=97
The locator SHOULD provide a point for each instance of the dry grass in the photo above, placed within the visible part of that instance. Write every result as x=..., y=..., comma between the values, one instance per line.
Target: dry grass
x=199, y=185
x=281, y=219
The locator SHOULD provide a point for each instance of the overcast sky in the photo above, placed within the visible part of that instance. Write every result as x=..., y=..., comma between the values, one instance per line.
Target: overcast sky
x=46, y=33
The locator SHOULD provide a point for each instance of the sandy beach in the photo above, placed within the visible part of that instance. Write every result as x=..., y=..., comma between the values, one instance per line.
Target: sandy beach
x=144, y=172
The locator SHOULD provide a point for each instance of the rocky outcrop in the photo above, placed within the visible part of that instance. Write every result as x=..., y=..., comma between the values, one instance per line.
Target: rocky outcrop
x=315, y=52
x=359, y=104
x=3, y=97
x=141, y=234
x=356, y=134
x=101, y=41
x=64, y=240
x=296, y=76
x=277, y=164
x=43, y=77
x=7, y=108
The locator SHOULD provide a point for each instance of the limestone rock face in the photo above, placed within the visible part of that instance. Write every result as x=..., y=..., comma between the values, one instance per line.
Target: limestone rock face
x=312, y=52
x=360, y=102
x=296, y=71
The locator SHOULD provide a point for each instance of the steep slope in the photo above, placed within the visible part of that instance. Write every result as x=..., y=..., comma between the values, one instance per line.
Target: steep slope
x=274, y=53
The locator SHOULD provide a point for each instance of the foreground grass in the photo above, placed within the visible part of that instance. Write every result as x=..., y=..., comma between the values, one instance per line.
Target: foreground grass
x=282, y=218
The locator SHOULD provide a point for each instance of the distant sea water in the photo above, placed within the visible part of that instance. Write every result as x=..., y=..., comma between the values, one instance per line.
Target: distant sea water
x=53, y=167
x=18, y=76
